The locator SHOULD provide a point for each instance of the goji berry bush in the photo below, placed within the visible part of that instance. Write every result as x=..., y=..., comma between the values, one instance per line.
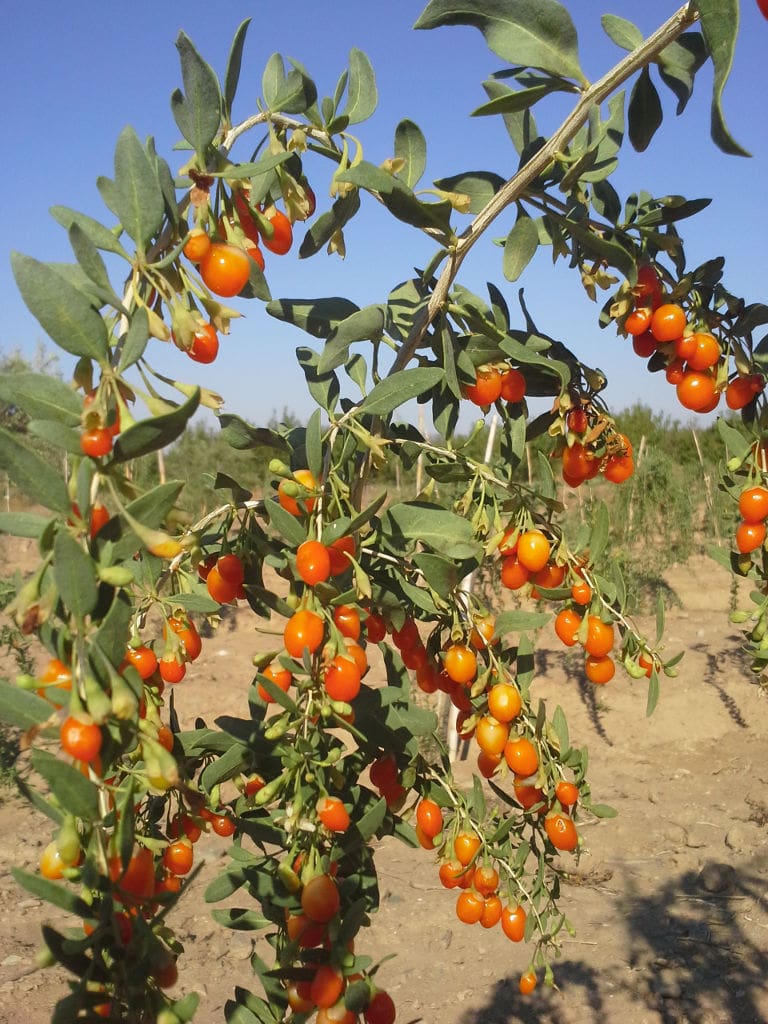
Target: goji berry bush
x=322, y=763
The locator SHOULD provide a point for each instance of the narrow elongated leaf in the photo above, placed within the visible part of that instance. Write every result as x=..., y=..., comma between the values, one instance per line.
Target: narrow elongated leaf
x=323, y=387
x=112, y=636
x=22, y=708
x=100, y=235
x=232, y=75
x=75, y=576
x=358, y=326
x=622, y=32
x=532, y=33
x=480, y=186
x=520, y=247
x=328, y=223
x=31, y=474
x=66, y=438
x=135, y=340
x=55, y=893
x=392, y=392
x=151, y=435
x=288, y=526
x=644, y=112
x=89, y=259
x=65, y=313
x=437, y=528
x=368, y=175
x=362, y=95
x=272, y=78
x=138, y=197
x=678, y=64
x=403, y=204
x=411, y=146
x=514, y=100
x=318, y=317
x=79, y=795
x=521, y=124
x=41, y=396
x=240, y=920
x=297, y=92
x=720, y=27
x=198, y=109
x=22, y=524
x=519, y=622
x=243, y=437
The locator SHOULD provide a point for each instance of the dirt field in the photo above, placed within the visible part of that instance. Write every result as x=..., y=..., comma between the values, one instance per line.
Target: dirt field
x=670, y=900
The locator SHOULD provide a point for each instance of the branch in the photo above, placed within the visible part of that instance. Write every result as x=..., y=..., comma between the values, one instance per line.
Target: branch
x=519, y=182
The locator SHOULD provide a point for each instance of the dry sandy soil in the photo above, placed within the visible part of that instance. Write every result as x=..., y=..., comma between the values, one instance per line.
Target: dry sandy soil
x=670, y=899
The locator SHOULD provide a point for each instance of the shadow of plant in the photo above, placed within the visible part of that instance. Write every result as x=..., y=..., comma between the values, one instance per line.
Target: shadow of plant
x=692, y=960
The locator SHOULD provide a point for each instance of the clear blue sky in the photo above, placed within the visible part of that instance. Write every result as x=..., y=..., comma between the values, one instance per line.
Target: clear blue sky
x=73, y=75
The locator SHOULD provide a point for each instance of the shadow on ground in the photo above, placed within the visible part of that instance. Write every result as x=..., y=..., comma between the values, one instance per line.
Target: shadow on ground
x=692, y=961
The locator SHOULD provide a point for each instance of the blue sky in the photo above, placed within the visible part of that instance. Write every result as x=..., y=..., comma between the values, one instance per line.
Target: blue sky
x=74, y=75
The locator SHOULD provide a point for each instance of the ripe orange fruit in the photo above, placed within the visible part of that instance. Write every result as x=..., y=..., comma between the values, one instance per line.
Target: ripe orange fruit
x=465, y=847
x=528, y=982
x=599, y=637
x=533, y=550
x=513, y=923
x=668, y=322
x=561, y=831
x=599, y=669
x=320, y=899
x=487, y=386
x=303, y=631
x=225, y=269
x=460, y=663
x=313, y=563
x=513, y=573
x=753, y=504
x=567, y=625
x=750, y=537
x=504, y=702
x=521, y=756
x=491, y=735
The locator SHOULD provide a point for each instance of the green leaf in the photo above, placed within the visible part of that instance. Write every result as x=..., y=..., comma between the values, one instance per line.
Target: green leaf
x=513, y=101
x=90, y=261
x=358, y=326
x=362, y=95
x=22, y=708
x=198, y=110
x=22, y=524
x=298, y=91
x=33, y=475
x=653, y=693
x=603, y=811
x=224, y=885
x=644, y=112
x=371, y=821
x=240, y=919
x=138, y=197
x=112, y=637
x=41, y=396
x=75, y=576
x=411, y=146
x=79, y=795
x=318, y=317
x=232, y=75
x=437, y=528
x=720, y=27
x=196, y=603
x=736, y=443
x=323, y=387
x=101, y=236
x=328, y=223
x=678, y=64
x=134, y=341
x=150, y=435
x=390, y=393
x=520, y=247
x=55, y=434
x=560, y=725
x=55, y=893
x=622, y=32
x=441, y=574
x=521, y=124
x=532, y=33
x=519, y=622
x=403, y=204
x=150, y=509
x=65, y=313
x=243, y=437
x=598, y=540
x=288, y=526
x=480, y=186
x=313, y=445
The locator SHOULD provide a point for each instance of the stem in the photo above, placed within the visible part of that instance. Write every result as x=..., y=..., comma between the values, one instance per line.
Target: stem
x=519, y=182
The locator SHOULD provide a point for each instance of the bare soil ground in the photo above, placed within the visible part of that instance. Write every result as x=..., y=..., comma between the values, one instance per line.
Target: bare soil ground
x=670, y=899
